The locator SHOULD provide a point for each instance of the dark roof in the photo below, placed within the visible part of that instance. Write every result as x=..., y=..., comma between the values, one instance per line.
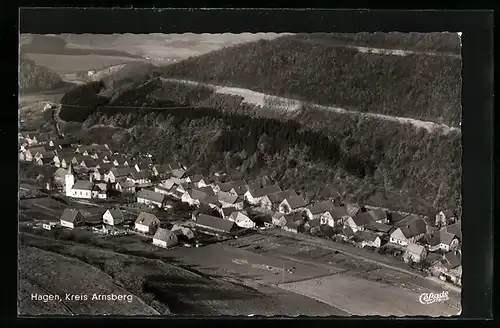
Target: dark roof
x=122, y=172
x=240, y=190
x=452, y=259
x=83, y=185
x=378, y=214
x=455, y=228
x=439, y=237
x=174, y=166
x=314, y=223
x=227, y=198
x=151, y=195
x=142, y=166
x=415, y=227
x=338, y=212
x=140, y=175
x=69, y=214
x=407, y=219
x=362, y=219
x=197, y=194
x=196, y=178
x=347, y=231
x=278, y=197
x=278, y=215
x=321, y=207
x=209, y=200
x=178, y=173
x=448, y=213
x=227, y=186
x=414, y=248
x=215, y=223
x=379, y=227
x=294, y=218
x=261, y=192
x=163, y=234
x=115, y=213
x=365, y=236
x=229, y=210
x=352, y=208
x=36, y=150
x=296, y=202
x=90, y=163
x=147, y=219
x=207, y=190
x=162, y=169
x=46, y=160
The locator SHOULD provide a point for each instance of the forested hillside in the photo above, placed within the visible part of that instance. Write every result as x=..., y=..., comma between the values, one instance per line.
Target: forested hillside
x=446, y=43
x=33, y=78
x=415, y=86
x=368, y=160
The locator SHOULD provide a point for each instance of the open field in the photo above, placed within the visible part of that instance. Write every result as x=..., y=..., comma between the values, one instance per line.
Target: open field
x=363, y=297
x=57, y=275
x=64, y=64
x=185, y=291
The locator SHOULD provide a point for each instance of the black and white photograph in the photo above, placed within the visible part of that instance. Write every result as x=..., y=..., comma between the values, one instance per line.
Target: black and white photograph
x=240, y=174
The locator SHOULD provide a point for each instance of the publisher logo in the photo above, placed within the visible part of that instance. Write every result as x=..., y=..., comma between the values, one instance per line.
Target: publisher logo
x=430, y=298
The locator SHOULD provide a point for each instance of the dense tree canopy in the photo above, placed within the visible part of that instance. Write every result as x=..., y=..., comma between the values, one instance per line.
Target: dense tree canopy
x=416, y=86
x=33, y=78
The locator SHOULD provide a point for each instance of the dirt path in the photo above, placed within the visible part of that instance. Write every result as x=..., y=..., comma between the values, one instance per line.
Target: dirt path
x=259, y=99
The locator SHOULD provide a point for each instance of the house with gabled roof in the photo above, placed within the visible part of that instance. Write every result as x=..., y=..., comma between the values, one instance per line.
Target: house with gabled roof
x=278, y=219
x=178, y=173
x=255, y=196
x=444, y=218
x=227, y=199
x=125, y=186
x=162, y=190
x=294, y=221
x=410, y=232
x=239, y=190
x=197, y=180
x=335, y=217
x=292, y=204
x=367, y=239
x=165, y=238
x=226, y=212
x=455, y=229
x=116, y=173
x=344, y=233
x=379, y=215
x=44, y=161
x=147, y=222
x=242, y=220
x=183, y=232
x=150, y=197
x=113, y=216
x=272, y=201
x=71, y=218
x=88, y=163
x=227, y=186
x=216, y=224
x=141, y=166
x=380, y=229
x=414, y=253
x=352, y=209
x=161, y=170
x=319, y=209
x=139, y=177
x=193, y=196
x=441, y=240
x=358, y=222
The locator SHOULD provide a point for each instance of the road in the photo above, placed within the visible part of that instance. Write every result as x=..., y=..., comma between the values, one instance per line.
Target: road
x=260, y=99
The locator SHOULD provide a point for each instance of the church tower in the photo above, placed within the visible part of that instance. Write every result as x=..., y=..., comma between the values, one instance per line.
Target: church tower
x=69, y=179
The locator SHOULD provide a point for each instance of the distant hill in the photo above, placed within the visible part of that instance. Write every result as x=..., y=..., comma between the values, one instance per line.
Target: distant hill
x=57, y=45
x=33, y=78
x=416, y=86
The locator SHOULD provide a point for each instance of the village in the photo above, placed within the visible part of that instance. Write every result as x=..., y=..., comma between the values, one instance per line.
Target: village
x=120, y=188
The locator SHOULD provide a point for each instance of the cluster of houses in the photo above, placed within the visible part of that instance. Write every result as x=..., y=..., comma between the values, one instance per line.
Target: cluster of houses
x=112, y=221
x=224, y=205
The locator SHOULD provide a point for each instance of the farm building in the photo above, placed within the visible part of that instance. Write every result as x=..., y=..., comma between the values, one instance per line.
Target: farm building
x=113, y=217
x=146, y=222
x=216, y=224
x=414, y=253
x=292, y=205
x=150, y=197
x=164, y=238
x=71, y=218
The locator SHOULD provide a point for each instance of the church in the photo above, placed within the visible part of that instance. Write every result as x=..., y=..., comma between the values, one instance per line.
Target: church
x=81, y=188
